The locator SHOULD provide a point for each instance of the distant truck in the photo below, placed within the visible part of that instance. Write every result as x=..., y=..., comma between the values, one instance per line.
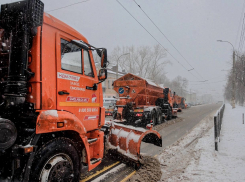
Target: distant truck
x=142, y=102
x=175, y=98
x=179, y=102
x=182, y=104
x=109, y=105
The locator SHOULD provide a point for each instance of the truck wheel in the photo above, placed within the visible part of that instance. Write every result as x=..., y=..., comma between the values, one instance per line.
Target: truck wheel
x=169, y=115
x=154, y=117
x=114, y=114
x=159, y=117
x=58, y=160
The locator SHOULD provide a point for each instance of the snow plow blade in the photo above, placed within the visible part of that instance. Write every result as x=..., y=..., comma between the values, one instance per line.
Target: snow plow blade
x=126, y=140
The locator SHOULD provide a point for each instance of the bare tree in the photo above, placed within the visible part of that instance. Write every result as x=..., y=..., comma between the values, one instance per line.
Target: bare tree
x=147, y=62
x=239, y=80
x=178, y=85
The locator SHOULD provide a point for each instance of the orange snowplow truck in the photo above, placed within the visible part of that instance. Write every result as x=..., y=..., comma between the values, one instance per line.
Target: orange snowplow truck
x=52, y=119
x=141, y=101
x=177, y=102
x=182, y=104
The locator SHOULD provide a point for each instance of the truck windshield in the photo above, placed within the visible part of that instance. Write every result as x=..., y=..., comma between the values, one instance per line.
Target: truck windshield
x=71, y=57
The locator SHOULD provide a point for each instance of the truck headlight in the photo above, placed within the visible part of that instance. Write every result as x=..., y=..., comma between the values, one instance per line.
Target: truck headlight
x=8, y=133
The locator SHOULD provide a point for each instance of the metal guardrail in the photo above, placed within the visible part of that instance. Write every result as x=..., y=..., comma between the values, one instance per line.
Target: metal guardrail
x=218, y=117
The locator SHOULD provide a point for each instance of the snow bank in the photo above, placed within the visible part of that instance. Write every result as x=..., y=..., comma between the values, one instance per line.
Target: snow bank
x=150, y=171
x=193, y=157
x=228, y=163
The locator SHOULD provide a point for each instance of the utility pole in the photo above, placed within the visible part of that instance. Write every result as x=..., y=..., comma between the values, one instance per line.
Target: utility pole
x=243, y=77
x=190, y=96
x=233, y=82
x=233, y=100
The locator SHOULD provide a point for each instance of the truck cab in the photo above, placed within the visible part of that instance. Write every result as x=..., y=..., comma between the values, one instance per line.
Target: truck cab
x=50, y=96
x=68, y=75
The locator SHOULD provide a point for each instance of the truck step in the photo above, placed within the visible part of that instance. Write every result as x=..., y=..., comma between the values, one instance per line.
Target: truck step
x=93, y=161
x=92, y=140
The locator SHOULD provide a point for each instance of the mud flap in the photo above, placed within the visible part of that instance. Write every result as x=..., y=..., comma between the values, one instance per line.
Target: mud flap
x=127, y=139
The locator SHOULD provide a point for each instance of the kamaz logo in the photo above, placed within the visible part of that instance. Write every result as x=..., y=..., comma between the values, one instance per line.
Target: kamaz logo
x=68, y=77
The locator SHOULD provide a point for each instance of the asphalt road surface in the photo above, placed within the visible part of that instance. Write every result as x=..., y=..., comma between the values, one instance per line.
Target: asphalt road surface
x=191, y=117
x=170, y=134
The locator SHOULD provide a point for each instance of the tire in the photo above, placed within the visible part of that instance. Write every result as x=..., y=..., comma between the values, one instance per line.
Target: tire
x=159, y=116
x=169, y=113
x=154, y=117
x=127, y=115
x=57, y=161
x=114, y=114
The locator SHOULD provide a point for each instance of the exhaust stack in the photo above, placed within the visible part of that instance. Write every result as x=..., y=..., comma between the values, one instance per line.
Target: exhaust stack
x=19, y=21
x=165, y=92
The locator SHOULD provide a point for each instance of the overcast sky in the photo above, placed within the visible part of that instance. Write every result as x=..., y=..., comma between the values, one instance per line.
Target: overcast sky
x=193, y=27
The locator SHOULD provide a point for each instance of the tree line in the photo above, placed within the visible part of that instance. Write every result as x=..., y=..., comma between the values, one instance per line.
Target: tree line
x=239, y=78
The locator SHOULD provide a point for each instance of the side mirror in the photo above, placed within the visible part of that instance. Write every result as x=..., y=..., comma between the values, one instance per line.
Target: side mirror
x=102, y=74
x=103, y=58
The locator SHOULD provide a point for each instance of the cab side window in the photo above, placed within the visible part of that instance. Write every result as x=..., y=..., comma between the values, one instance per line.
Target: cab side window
x=71, y=57
x=88, y=71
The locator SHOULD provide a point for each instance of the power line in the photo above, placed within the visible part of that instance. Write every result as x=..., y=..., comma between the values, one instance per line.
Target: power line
x=209, y=82
x=167, y=38
x=242, y=34
x=155, y=39
x=240, y=22
x=209, y=79
x=67, y=6
x=242, y=37
x=162, y=33
x=198, y=81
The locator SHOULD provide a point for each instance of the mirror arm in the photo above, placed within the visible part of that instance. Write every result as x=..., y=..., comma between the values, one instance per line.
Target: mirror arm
x=94, y=86
x=100, y=82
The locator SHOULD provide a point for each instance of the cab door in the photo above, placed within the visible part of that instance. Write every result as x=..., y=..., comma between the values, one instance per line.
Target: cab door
x=76, y=76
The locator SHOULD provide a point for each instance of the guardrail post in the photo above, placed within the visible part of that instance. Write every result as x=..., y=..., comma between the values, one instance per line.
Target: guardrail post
x=242, y=118
x=219, y=128
x=218, y=118
x=215, y=133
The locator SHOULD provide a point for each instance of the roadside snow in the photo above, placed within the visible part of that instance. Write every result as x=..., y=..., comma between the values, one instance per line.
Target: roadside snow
x=149, y=172
x=193, y=157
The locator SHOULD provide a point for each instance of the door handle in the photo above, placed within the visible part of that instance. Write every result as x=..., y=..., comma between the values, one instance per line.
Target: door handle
x=63, y=93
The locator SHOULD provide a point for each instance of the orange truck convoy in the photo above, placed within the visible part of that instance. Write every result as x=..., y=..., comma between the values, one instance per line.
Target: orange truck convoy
x=142, y=102
x=52, y=119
